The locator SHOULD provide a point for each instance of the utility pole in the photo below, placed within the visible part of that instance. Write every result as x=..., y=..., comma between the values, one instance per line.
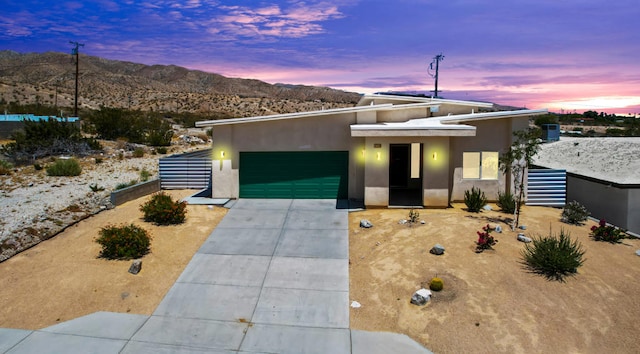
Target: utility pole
x=75, y=52
x=437, y=59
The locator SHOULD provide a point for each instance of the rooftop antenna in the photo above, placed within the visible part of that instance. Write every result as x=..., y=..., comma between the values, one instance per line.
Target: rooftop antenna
x=436, y=60
x=76, y=52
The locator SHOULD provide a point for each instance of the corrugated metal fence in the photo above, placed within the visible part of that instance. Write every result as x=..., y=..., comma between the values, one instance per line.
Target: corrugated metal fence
x=186, y=171
x=547, y=187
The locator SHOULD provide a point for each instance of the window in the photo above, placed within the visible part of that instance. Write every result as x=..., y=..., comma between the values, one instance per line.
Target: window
x=480, y=165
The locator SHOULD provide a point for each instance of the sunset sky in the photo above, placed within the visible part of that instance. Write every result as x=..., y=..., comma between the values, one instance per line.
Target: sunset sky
x=562, y=55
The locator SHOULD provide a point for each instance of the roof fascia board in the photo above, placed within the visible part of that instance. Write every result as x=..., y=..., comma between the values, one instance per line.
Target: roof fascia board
x=295, y=115
x=429, y=99
x=462, y=118
x=471, y=131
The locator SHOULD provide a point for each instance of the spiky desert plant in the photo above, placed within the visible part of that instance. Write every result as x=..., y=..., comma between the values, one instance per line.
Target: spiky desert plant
x=553, y=256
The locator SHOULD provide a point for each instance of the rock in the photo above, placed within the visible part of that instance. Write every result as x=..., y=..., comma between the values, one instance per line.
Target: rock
x=136, y=266
x=355, y=305
x=421, y=297
x=498, y=229
x=422, y=222
x=402, y=222
x=487, y=207
x=365, y=223
x=438, y=249
x=638, y=252
x=522, y=227
x=523, y=238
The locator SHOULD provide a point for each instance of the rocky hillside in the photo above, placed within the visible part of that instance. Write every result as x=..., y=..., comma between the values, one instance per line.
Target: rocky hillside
x=49, y=79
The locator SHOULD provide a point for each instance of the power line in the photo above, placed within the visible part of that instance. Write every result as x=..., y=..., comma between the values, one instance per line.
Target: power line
x=436, y=60
x=75, y=51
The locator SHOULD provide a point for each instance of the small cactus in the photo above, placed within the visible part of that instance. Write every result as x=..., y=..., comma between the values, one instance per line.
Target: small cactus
x=436, y=284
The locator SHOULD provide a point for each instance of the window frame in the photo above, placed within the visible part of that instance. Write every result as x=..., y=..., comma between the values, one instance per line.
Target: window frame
x=480, y=166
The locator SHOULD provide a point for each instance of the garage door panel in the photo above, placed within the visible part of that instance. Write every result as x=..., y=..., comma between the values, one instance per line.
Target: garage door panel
x=308, y=175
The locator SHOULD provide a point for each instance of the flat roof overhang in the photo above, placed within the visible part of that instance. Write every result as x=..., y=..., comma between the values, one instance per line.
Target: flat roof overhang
x=397, y=131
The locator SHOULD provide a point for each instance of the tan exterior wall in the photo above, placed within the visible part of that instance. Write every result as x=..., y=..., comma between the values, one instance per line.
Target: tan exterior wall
x=325, y=133
x=435, y=172
x=491, y=135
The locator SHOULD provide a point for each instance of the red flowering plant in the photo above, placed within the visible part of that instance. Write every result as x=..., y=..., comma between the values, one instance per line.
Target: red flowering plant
x=608, y=233
x=485, y=240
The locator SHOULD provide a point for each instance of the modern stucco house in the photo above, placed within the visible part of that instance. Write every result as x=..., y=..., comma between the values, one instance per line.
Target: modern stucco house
x=387, y=151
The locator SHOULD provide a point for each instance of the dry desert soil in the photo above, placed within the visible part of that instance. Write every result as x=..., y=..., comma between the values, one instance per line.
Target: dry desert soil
x=489, y=304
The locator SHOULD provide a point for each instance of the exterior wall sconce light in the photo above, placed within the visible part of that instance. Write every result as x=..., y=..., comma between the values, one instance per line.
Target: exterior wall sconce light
x=435, y=155
x=364, y=152
x=221, y=154
x=378, y=156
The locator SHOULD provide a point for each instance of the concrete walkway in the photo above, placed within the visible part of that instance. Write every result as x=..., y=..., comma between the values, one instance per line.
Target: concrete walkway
x=273, y=277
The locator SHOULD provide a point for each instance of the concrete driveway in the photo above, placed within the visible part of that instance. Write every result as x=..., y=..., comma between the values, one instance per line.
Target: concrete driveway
x=273, y=277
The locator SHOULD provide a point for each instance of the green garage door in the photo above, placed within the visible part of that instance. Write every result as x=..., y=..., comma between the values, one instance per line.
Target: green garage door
x=298, y=175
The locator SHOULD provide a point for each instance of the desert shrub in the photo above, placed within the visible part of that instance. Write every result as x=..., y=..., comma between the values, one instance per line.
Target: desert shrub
x=436, y=284
x=506, y=202
x=144, y=175
x=485, y=240
x=574, y=213
x=161, y=150
x=64, y=167
x=608, y=233
x=162, y=210
x=474, y=199
x=553, y=256
x=124, y=185
x=413, y=216
x=138, y=152
x=5, y=167
x=96, y=188
x=124, y=242
x=99, y=160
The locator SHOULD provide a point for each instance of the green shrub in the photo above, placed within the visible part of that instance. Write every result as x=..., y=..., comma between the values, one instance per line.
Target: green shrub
x=96, y=188
x=37, y=166
x=436, y=284
x=161, y=150
x=162, y=210
x=64, y=167
x=138, y=152
x=574, y=213
x=144, y=175
x=5, y=167
x=553, y=256
x=124, y=242
x=608, y=233
x=124, y=185
x=507, y=202
x=474, y=199
x=99, y=160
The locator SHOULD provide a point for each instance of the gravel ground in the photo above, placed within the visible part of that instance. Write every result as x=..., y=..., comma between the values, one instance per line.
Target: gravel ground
x=611, y=159
x=35, y=207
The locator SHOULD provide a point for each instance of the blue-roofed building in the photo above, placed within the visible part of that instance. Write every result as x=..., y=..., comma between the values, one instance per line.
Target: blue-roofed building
x=9, y=123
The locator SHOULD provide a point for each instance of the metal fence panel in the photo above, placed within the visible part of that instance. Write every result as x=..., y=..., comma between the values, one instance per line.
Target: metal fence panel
x=547, y=187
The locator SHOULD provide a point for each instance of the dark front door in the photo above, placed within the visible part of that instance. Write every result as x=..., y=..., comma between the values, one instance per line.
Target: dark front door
x=405, y=174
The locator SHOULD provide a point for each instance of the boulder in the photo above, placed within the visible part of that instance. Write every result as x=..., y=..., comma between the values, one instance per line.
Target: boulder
x=136, y=266
x=522, y=227
x=487, y=207
x=438, y=249
x=365, y=223
x=523, y=238
x=638, y=252
x=498, y=229
x=421, y=297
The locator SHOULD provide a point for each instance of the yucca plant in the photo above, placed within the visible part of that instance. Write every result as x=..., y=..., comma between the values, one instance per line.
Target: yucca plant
x=474, y=199
x=506, y=202
x=553, y=256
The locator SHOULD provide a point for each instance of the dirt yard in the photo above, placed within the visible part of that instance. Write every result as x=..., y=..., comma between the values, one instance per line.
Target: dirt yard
x=62, y=278
x=490, y=303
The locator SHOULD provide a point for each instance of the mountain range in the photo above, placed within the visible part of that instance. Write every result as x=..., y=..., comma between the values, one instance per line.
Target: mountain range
x=49, y=79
